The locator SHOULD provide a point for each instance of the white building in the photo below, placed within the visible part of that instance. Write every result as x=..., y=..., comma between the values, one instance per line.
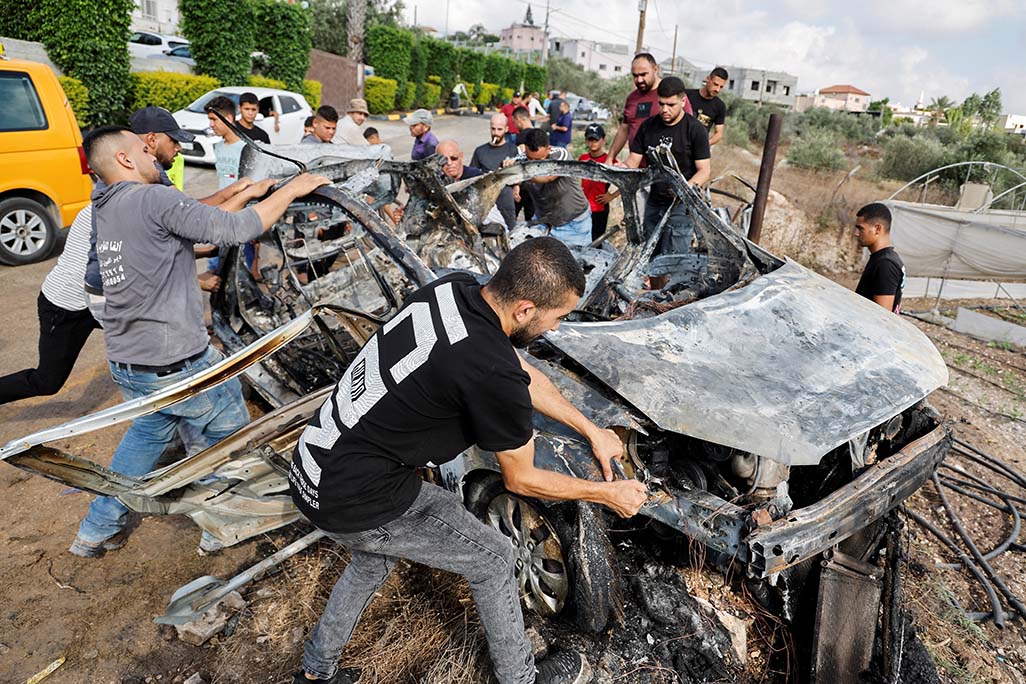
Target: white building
x=841, y=98
x=159, y=16
x=692, y=75
x=1013, y=123
x=608, y=60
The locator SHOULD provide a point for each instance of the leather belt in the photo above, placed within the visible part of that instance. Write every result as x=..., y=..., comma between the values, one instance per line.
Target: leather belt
x=161, y=370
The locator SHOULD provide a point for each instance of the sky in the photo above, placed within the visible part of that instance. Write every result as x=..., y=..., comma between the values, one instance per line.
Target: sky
x=889, y=48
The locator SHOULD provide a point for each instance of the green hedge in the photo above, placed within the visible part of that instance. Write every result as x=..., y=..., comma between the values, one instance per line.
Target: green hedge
x=221, y=36
x=283, y=35
x=408, y=96
x=514, y=74
x=88, y=40
x=817, y=149
x=258, y=81
x=167, y=89
x=495, y=67
x=78, y=98
x=535, y=78
x=389, y=52
x=312, y=92
x=506, y=95
x=432, y=95
x=486, y=93
x=441, y=62
x=380, y=94
x=470, y=65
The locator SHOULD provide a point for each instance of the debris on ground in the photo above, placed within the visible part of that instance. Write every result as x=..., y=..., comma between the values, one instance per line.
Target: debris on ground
x=199, y=631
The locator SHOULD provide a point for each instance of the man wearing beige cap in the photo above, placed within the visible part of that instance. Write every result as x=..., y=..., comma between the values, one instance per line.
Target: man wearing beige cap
x=424, y=141
x=349, y=126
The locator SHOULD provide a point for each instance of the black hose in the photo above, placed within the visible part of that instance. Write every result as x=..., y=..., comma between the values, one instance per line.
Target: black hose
x=1016, y=522
x=990, y=465
x=1021, y=479
x=995, y=603
x=965, y=473
x=956, y=521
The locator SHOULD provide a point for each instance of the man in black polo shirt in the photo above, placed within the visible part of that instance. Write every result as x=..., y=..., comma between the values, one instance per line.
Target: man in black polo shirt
x=489, y=157
x=689, y=145
x=708, y=107
x=441, y=376
x=883, y=278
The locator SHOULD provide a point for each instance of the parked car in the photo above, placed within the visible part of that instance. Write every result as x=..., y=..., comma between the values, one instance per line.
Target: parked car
x=182, y=53
x=44, y=176
x=146, y=43
x=292, y=111
x=589, y=110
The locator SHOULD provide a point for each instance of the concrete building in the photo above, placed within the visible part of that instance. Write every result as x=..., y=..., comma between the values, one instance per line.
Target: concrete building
x=692, y=74
x=523, y=38
x=915, y=114
x=762, y=85
x=844, y=98
x=608, y=60
x=1013, y=123
x=159, y=16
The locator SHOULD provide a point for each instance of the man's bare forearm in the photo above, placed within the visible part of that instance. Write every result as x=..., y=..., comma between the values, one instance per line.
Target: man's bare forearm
x=619, y=140
x=547, y=400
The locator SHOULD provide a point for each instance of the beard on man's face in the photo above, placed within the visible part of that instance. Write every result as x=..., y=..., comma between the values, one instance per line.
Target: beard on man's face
x=523, y=336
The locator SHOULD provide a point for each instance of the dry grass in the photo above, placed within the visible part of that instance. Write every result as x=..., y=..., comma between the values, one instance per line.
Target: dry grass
x=422, y=627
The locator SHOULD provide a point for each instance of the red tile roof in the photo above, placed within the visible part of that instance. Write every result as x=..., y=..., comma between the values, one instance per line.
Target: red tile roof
x=842, y=90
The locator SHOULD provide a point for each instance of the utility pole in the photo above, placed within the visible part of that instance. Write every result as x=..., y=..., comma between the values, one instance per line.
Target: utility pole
x=447, y=19
x=673, y=60
x=642, y=6
x=545, y=37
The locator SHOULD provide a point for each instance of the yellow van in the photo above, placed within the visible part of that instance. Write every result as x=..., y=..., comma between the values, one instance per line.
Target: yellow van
x=44, y=176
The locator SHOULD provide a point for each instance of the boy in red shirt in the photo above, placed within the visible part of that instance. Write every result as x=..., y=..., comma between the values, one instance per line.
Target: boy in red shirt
x=597, y=192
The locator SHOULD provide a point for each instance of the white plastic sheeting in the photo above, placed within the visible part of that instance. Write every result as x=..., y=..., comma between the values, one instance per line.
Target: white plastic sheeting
x=943, y=242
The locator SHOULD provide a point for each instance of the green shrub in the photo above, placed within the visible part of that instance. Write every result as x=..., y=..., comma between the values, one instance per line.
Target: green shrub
x=514, y=75
x=735, y=133
x=850, y=127
x=418, y=73
x=495, y=67
x=534, y=78
x=312, y=92
x=88, y=40
x=506, y=95
x=470, y=65
x=380, y=94
x=389, y=52
x=432, y=95
x=20, y=20
x=905, y=158
x=221, y=36
x=407, y=96
x=441, y=62
x=167, y=89
x=78, y=98
x=257, y=81
x=282, y=33
x=486, y=92
x=816, y=149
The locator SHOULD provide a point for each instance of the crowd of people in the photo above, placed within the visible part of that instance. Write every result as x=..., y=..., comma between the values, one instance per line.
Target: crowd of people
x=128, y=268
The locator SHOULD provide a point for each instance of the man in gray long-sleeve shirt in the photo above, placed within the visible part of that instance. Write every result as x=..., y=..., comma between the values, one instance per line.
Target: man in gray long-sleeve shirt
x=153, y=317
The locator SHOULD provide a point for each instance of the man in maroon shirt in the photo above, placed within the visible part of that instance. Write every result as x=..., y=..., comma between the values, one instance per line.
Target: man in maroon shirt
x=642, y=103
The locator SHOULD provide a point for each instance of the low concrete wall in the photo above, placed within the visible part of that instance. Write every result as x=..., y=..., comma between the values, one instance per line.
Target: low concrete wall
x=24, y=49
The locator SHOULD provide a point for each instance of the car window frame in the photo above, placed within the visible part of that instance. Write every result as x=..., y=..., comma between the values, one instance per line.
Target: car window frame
x=7, y=74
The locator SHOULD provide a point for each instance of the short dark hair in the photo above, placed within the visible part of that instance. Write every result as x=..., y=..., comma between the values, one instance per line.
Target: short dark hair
x=670, y=86
x=521, y=112
x=719, y=72
x=878, y=212
x=308, y=122
x=370, y=130
x=248, y=98
x=535, y=139
x=221, y=104
x=541, y=270
x=328, y=113
x=647, y=56
x=97, y=146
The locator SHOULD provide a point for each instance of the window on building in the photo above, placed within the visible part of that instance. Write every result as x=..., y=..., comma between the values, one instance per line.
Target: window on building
x=787, y=90
x=771, y=86
x=730, y=84
x=149, y=9
x=602, y=67
x=617, y=68
x=582, y=53
x=755, y=86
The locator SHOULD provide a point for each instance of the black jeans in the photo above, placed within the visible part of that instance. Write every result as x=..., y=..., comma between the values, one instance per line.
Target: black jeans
x=599, y=220
x=62, y=334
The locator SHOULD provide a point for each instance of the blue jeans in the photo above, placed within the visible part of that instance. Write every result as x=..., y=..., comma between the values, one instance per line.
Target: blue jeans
x=576, y=232
x=439, y=532
x=678, y=231
x=248, y=250
x=210, y=416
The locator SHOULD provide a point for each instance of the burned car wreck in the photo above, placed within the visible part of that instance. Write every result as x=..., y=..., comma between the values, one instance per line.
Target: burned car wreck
x=772, y=413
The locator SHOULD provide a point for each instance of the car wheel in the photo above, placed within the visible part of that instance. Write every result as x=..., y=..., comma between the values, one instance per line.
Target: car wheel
x=562, y=553
x=27, y=231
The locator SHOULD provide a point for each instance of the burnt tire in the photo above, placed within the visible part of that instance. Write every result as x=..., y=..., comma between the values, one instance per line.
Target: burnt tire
x=28, y=232
x=585, y=556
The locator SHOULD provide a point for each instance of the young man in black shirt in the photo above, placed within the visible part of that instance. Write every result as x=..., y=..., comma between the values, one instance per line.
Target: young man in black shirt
x=249, y=107
x=883, y=278
x=708, y=107
x=689, y=145
x=441, y=376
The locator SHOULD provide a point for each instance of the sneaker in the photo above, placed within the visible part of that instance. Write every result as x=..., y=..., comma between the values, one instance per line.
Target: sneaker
x=349, y=675
x=86, y=549
x=563, y=667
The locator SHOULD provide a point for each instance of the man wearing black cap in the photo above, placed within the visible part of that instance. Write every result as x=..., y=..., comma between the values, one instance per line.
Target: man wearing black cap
x=65, y=321
x=597, y=192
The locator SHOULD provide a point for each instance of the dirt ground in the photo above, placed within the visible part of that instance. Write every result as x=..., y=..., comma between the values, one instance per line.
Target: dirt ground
x=97, y=614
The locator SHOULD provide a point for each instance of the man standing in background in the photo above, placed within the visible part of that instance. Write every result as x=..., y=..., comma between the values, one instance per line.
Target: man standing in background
x=883, y=278
x=709, y=109
x=424, y=141
x=642, y=103
x=349, y=126
x=489, y=157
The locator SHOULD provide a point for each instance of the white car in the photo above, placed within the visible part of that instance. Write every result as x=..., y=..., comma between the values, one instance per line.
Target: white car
x=146, y=43
x=292, y=110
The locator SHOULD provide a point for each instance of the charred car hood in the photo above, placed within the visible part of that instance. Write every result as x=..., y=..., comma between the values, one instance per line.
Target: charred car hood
x=788, y=367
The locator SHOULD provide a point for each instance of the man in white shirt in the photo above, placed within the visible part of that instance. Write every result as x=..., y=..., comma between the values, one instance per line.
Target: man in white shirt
x=349, y=126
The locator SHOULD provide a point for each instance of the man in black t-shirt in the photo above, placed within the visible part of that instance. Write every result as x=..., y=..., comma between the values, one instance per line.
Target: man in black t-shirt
x=689, y=146
x=249, y=107
x=440, y=376
x=708, y=107
x=489, y=157
x=883, y=278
